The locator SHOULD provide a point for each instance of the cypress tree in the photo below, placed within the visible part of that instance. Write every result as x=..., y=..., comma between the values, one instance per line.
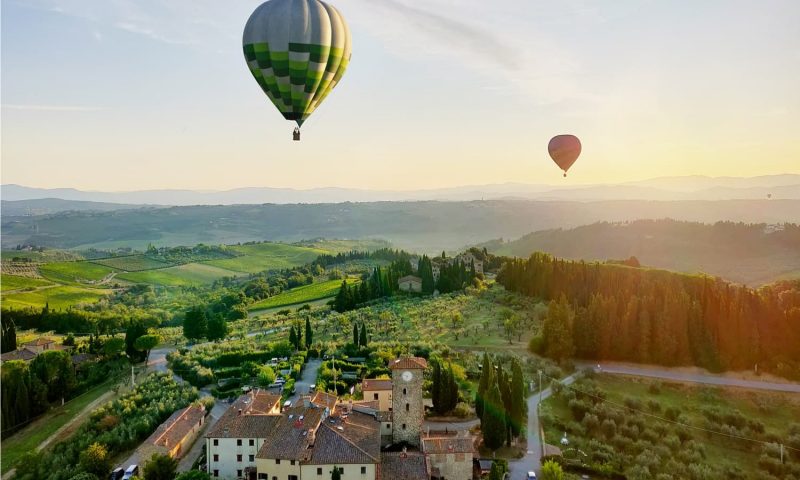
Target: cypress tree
x=362, y=339
x=309, y=333
x=487, y=379
x=519, y=405
x=436, y=384
x=292, y=337
x=452, y=388
x=493, y=422
x=355, y=334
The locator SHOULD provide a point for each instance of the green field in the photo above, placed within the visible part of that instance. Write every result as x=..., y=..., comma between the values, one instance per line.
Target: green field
x=13, y=282
x=132, y=263
x=267, y=256
x=182, y=275
x=60, y=297
x=80, y=273
x=306, y=293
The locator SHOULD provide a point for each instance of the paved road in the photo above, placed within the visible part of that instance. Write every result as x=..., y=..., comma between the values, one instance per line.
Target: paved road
x=533, y=457
x=709, y=379
x=307, y=378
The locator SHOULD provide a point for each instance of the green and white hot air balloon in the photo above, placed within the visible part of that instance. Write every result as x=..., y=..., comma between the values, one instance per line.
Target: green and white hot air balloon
x=297, y=50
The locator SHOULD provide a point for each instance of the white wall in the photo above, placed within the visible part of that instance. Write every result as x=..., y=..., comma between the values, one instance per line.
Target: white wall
x=227, y=451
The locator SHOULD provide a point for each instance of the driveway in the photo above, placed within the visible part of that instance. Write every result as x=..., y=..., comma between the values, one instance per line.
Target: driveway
x=533, y=456
x=307, y=378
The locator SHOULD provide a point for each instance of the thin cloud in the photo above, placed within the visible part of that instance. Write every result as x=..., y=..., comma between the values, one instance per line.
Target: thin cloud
x=52, y=108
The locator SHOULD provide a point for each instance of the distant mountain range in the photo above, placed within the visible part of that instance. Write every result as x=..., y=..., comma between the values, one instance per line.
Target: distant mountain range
x=429, y=226
x=750, y=254
x=785, y=186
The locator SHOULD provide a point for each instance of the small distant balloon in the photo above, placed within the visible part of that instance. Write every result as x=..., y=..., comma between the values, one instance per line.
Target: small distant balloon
x=564, y=150
x=769, y=195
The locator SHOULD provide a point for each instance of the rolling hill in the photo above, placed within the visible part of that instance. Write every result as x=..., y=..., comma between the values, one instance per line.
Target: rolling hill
x=749, y=254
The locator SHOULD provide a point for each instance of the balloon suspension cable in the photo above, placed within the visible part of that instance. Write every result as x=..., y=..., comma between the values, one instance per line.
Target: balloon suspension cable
x=565, y=174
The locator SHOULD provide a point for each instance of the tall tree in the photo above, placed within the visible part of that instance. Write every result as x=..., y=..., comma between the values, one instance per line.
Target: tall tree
x=292, y=337
x=355, y=334
x=309, y=333
x=493, y=422
x=96, y=460
x=519, y=405
x=160, y=467
x=134, y=331
x=195, y=324
x=145, y=343
x=362, y=339
x=8, y=340
x=557, y=330
x=217, y=328
x=486, y=381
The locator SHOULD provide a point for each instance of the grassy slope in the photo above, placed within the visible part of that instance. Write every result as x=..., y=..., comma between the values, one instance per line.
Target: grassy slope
x=267, y=256
x=305, y=293
x=74, y=273
x=60, y=297
x=13, y=282
x=182, y=275
x=29, y=438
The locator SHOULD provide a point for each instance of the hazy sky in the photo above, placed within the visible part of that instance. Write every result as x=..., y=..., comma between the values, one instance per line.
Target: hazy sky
x=139, y=94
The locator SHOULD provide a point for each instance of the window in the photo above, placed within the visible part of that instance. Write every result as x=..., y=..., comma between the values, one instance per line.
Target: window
x=277, y=461
x=251, y=442
x=216, y=442
x=341, y=470
x=238, y=473
x=291, y=462
x=263, y=476
x=319, y=471
x=216, y=457
x=292, y=477
x=375, y=396
x=404, y=391
x=239, y=458
x=388, y=425
x=363, y=470
x=404, y=426
x=407, y=407
x=239, y=442
x=216, y=473
x=251, y=458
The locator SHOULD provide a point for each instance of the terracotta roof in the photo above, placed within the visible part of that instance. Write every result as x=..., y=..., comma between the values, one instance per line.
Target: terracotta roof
x=289, y=438
x=80, y=358
x=370, y=384
x=323, y=399
x=260, y=402
x=436, y=445
x=23, y=354
x=41, y=341
x=403, y=466
x=409, y=362
x=248, y=424
x=368, y=404
x=354, y=439
x=177, y=426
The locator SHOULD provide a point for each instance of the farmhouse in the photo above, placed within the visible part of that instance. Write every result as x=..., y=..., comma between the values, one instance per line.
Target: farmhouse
x=410, y=283
x=25, y=354
x=41, y=344
x=318, y=433
x=176, y=435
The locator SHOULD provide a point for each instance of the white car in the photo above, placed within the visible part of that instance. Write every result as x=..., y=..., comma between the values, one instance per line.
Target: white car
x=531, y=476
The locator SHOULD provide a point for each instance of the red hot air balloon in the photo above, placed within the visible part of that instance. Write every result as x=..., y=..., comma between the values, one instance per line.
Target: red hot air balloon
x=564, y=150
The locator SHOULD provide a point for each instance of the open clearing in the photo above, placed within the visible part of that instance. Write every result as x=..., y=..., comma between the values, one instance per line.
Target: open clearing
x=75, y=273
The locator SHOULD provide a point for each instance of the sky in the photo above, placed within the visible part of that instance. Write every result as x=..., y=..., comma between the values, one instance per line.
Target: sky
x=141, y=94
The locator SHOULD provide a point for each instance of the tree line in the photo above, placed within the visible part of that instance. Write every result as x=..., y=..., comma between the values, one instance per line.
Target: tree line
x=382, y=282
x=614, y=312
x=500, y=403
x=387, y=254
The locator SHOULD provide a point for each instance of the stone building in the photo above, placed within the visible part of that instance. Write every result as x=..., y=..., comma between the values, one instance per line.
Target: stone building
x=379, y=390
x=410, y=283
x=449, y=458
x=407, y=410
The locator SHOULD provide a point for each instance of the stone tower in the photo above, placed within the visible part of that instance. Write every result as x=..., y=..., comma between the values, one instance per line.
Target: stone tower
x=407, y=409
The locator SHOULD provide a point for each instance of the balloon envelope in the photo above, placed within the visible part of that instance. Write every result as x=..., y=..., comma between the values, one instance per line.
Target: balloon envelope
x=297, y=50
x=564, y=150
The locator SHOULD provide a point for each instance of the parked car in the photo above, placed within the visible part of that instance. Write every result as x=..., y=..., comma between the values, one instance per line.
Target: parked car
x=131, y=471
x=117, y=474
x=531, y=476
